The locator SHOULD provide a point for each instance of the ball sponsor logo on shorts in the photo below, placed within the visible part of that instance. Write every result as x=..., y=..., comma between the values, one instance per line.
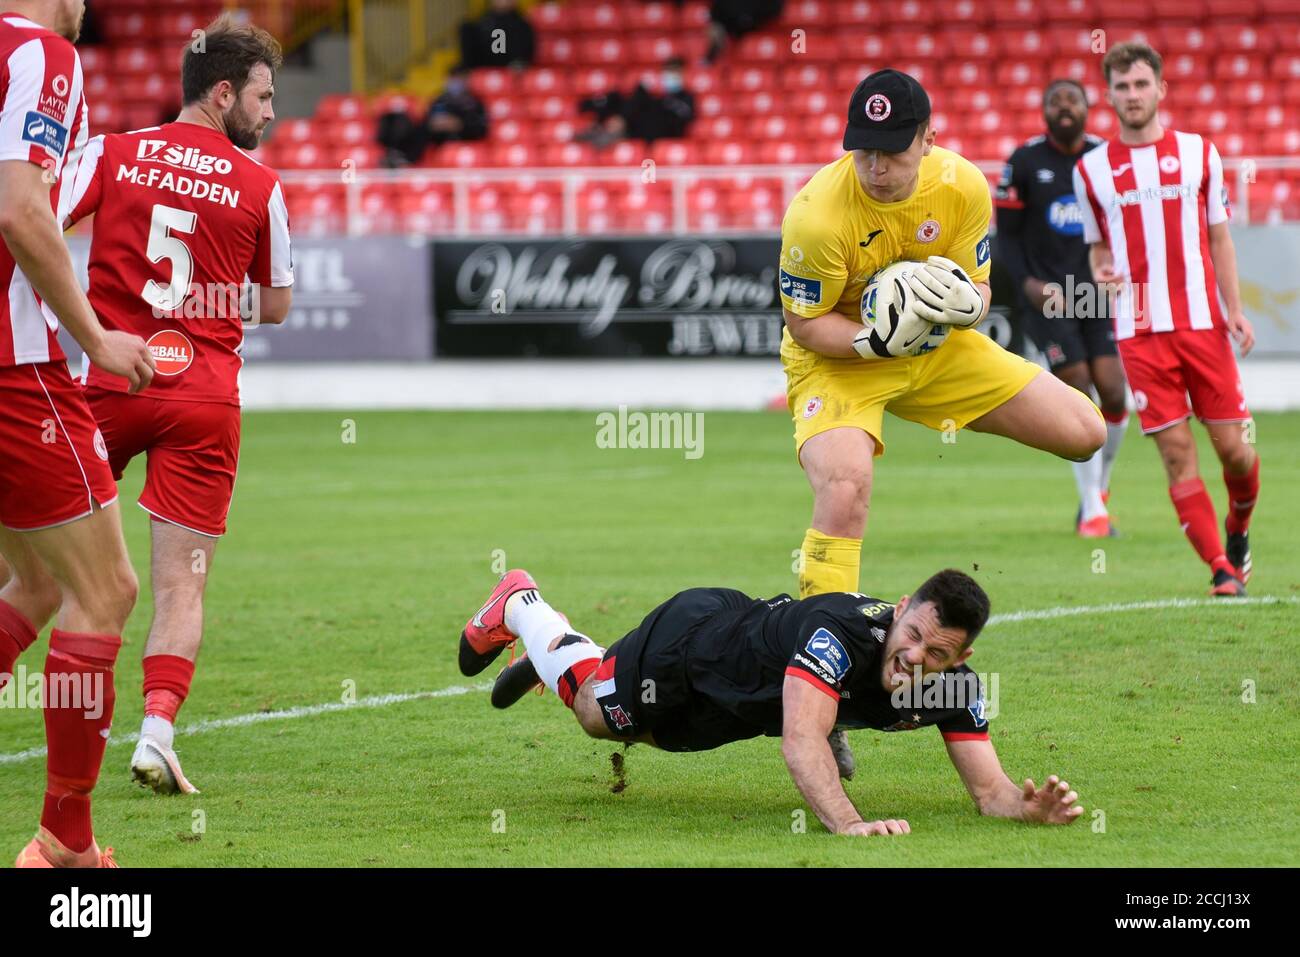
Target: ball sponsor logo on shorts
x=928, y=231
x=812, y=407
x=878, y=107
x=1140, y=400
x=100, y=448
x=172, y=351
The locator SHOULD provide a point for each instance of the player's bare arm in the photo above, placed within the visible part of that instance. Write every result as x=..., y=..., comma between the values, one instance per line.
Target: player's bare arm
x=996, y=795
x=1224, y=256
x=273, y=305
x=808, y=718
x=32, y=234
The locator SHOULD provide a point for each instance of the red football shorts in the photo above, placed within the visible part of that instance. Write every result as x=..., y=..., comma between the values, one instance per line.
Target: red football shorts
x=1175, y=374
x=53, y=464
x=192, y=451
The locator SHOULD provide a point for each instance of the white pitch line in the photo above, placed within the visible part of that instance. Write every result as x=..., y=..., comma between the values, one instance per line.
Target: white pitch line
x=1039, y=614
x=305, y=711
x=384, y=700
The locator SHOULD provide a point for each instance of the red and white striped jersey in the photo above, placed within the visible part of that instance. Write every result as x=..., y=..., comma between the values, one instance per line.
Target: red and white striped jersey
x=42, y=121
x=1153, y=205
x=185, y=220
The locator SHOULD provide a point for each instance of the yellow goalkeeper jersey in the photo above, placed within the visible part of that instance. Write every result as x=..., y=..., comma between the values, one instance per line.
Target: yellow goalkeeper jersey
x=835, y=236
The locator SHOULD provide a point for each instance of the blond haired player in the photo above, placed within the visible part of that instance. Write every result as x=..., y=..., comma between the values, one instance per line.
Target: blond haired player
x=895, y=195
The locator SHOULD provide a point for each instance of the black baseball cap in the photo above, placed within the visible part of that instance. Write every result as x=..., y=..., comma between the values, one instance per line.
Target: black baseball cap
x=885, y=111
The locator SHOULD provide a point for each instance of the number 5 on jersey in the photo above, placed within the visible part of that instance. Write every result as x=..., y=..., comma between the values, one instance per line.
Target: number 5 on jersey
x=164, y=245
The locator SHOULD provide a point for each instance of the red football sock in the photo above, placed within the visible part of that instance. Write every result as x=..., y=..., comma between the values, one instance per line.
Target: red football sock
x=166, y=685
x=16, y=636
x=1196, y=513
x=572, y=680
x=1243, y=490
x=78, y=712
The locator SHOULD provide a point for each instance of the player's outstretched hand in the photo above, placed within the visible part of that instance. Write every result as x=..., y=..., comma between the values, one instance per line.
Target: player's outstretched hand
x=1242, y=331
x=870, y=828
x=126, y=355
x=1054, y=804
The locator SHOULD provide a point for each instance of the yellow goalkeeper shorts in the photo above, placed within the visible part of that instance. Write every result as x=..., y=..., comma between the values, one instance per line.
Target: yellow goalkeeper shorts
x=965, y=378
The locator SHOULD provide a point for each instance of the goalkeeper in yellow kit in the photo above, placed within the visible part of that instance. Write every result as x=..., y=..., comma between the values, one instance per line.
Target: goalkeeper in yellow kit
x=895, y=196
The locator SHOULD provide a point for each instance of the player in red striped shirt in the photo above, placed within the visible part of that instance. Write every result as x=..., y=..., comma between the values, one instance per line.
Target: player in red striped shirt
x=1156, y=215
x=187, y=226
x=60, y=532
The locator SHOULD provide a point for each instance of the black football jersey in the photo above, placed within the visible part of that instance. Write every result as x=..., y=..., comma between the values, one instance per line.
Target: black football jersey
x=1040, y=225
x=740, y=660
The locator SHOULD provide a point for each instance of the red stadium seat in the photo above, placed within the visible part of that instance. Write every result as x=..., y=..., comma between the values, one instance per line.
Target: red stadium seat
x=1241, y=37
x=461, y=155
x=1240, y=67
x=556, y=50
x=608, y=50
x=914, y=44
x=761, y=48
x=1020, y=73
x=1013, y=14
x=676, y=152
x=568, y=154
x=783, y=153
x=710, y=104
x=764, y=101
x=968, y=13
x=550, y=107
x=491, y=82
x=1282, y=142
x=658, y=17
x=969, y=44
x=1072, y=41
x=1125, y=10
x=809, y=76
x=1234, y=8
x=342, y=106
x=1183, y=38
x=1069, y=11
x=808, y=13
x=751, y=79
x=968, y=73
x=727, y=153
x=542, y=81
x=549, y=16
x=869, y=47
x=134, y=59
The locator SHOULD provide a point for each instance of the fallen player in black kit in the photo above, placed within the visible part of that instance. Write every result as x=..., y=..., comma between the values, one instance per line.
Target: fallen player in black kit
x=713, y=665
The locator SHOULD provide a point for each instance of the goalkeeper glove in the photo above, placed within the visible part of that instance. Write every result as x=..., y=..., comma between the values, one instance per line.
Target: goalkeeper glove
x=945, y=294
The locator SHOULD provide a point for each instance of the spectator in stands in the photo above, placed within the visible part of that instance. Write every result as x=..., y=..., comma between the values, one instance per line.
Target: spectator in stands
x=641, y=115
x=501, y=37
x=457, y=114
x=732, y=19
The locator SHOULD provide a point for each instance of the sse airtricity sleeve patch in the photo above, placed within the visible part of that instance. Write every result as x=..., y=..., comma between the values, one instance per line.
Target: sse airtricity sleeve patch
x=822, y=658
x=45, y=132
x=800, y=289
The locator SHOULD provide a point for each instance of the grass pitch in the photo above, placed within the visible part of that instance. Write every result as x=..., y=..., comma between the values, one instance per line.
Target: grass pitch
x=350, y=568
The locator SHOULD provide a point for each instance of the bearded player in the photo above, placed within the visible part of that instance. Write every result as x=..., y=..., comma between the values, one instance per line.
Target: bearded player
x=60, y=532
x=184, y=218
x=895, y=195
x=711, y=666
x=1040, y=241
x=1156, y=215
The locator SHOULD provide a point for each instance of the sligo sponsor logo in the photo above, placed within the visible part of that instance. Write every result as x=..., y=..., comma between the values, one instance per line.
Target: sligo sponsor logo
x=526, y=285
x=189, y=158
x=172, y=351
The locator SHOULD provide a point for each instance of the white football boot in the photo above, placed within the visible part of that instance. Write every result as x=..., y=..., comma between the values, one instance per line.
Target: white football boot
x=156, y=767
